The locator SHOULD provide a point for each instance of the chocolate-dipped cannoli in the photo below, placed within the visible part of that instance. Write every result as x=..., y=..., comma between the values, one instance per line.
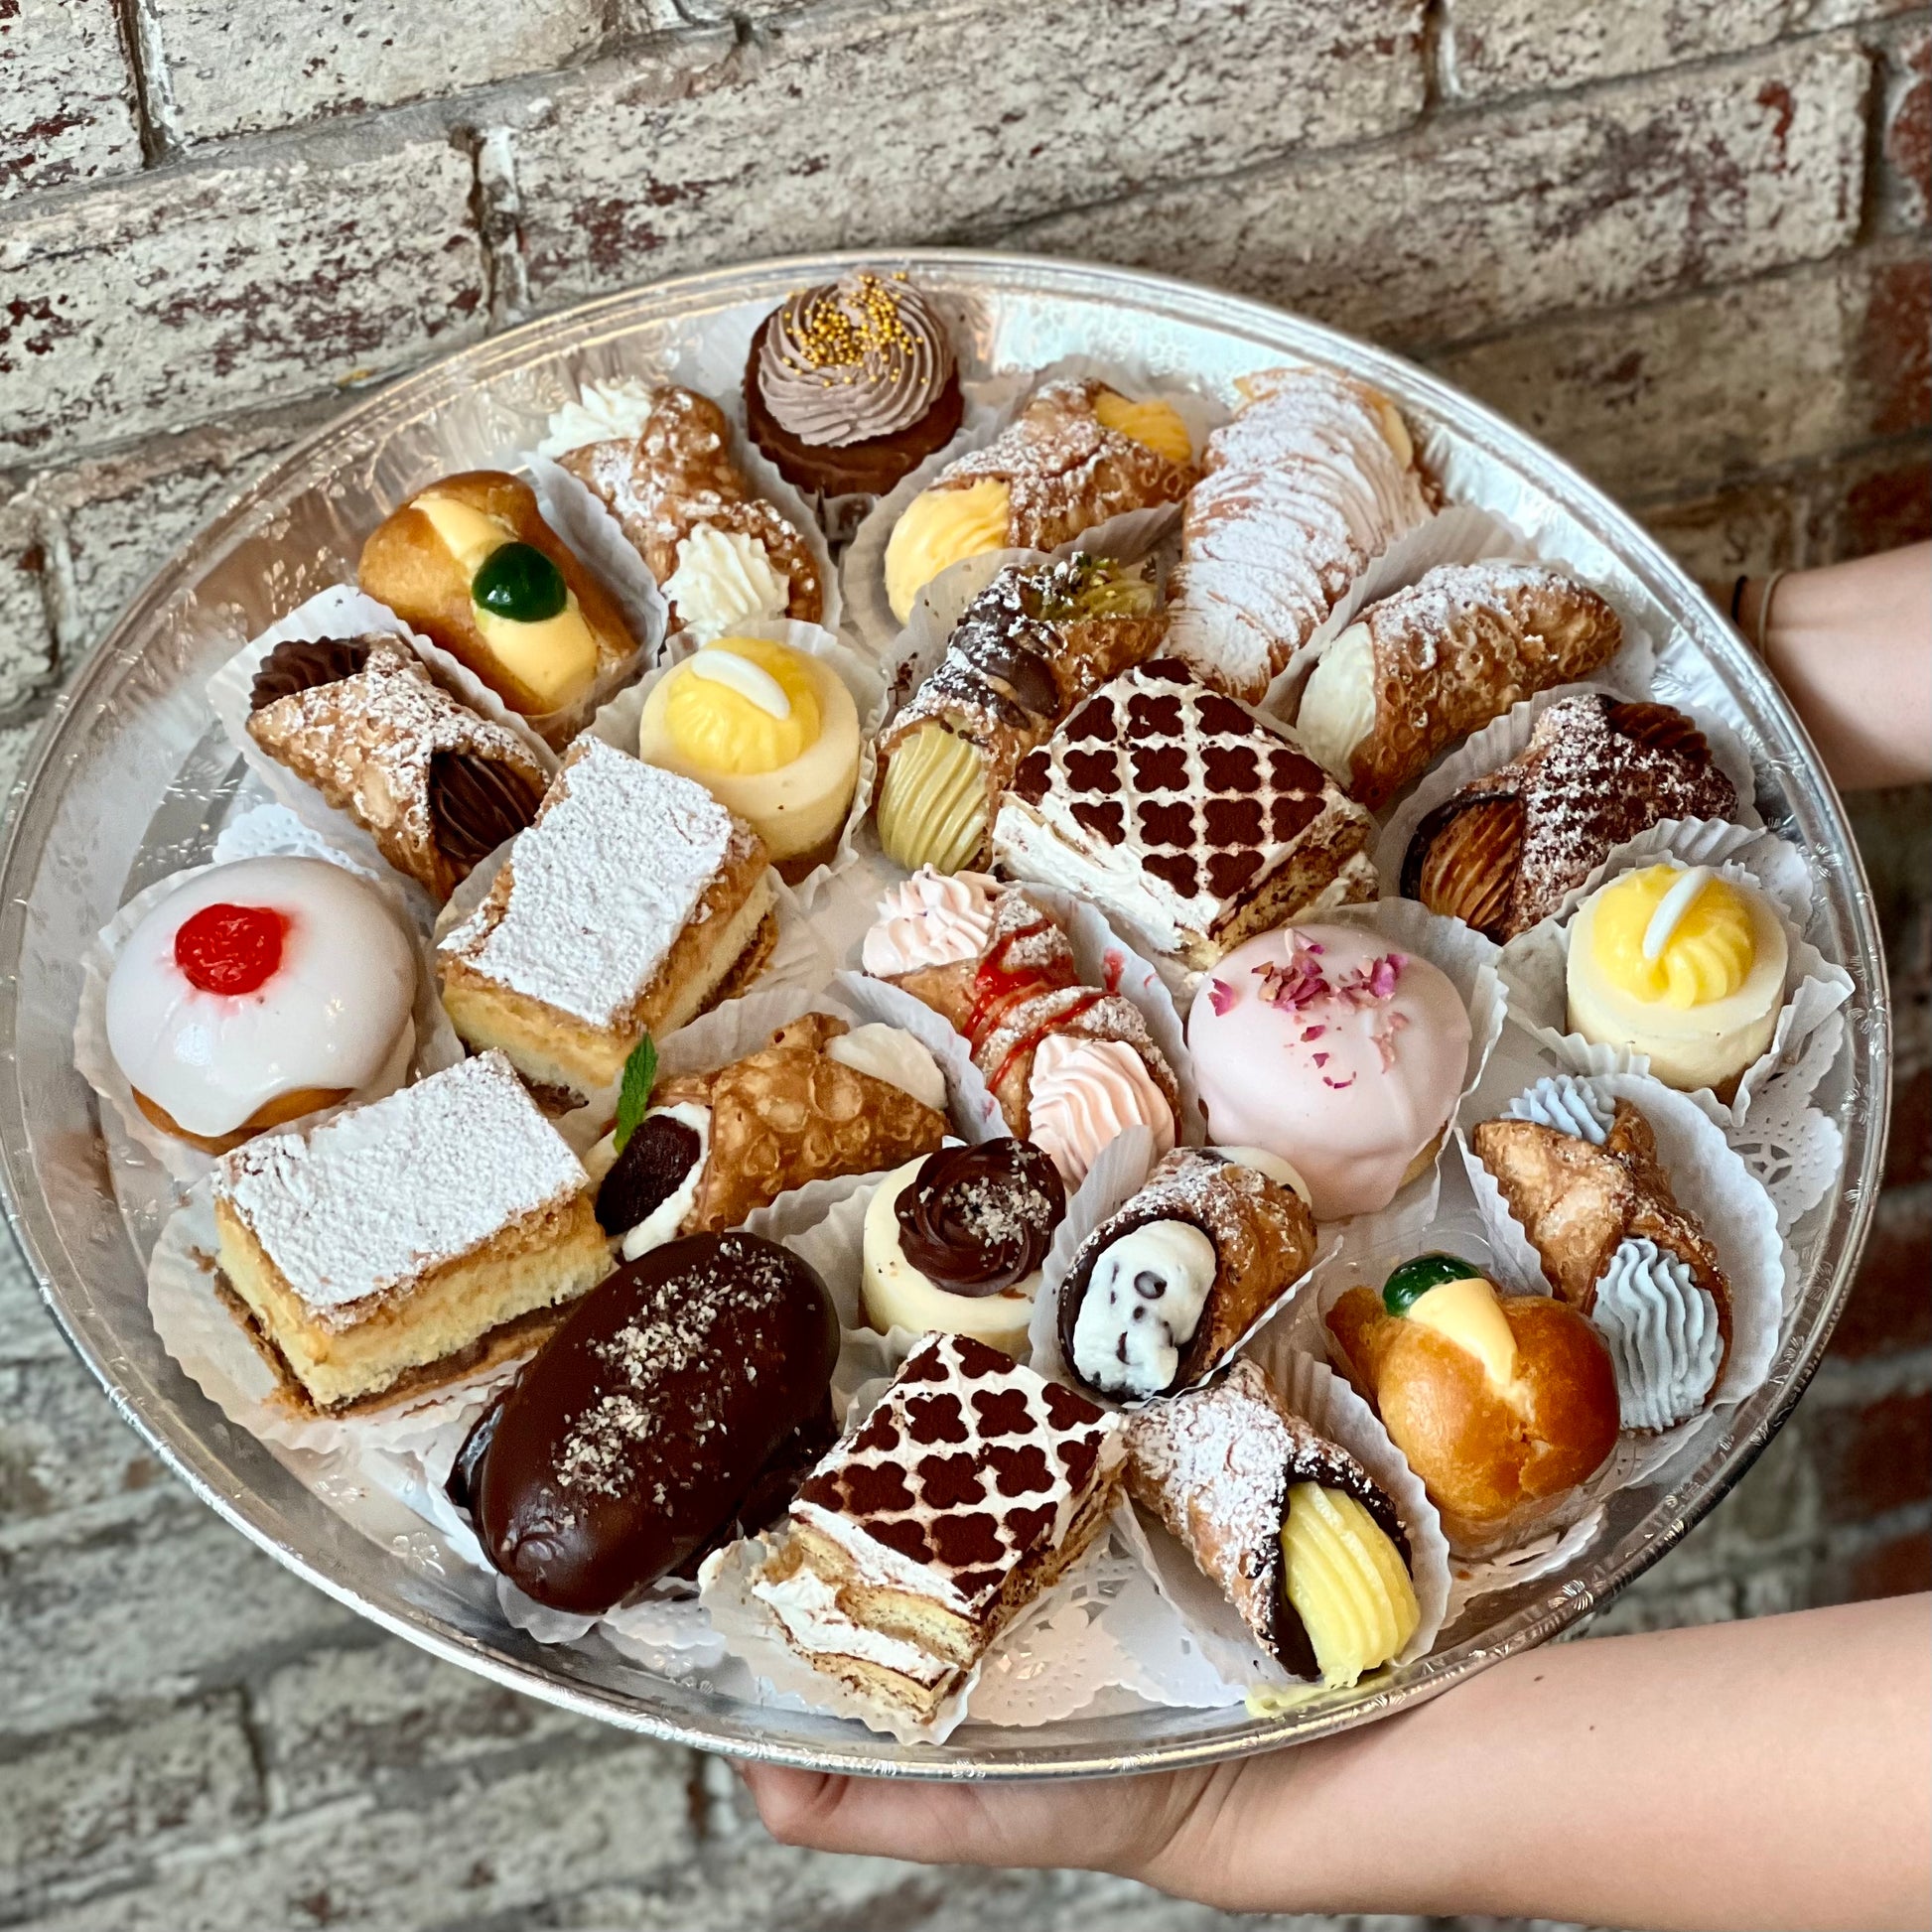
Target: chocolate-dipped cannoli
x=1298, y=1536
x=671, y=1405
x=1070, y=1065
x=435, y=785
x=1166, y=1285
x=1036, y=643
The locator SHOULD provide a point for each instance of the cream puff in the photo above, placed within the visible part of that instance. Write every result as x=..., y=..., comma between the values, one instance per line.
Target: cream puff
x=257, y=992
x=770, y=731
x=1336, y=1052
x=470, y=563
x=1681, y=965
x=954, y=1241
x=1503, y=1405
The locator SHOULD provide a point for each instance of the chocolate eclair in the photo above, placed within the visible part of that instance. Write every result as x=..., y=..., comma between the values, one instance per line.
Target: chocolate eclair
x=436, y=786
x=677, y=1404
x=1299, y=1537
x=956, y=1241
x=1164, y=1288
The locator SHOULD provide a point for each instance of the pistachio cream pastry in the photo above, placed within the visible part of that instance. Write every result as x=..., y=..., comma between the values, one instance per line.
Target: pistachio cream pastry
x=1682, y=965
x=1037, y=641
x=470, y=563
x=1078, y=454
x=851, y=383
x=1299, y=1537
x=954, y=1241
x=771, y=732
x=1503, y=1405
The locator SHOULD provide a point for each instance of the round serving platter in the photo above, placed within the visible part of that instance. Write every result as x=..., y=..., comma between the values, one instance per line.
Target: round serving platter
x=132, y=777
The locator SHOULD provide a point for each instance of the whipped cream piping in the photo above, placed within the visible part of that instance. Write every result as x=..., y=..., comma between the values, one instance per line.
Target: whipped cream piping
x=1568, y=1106
x=1663, y=1335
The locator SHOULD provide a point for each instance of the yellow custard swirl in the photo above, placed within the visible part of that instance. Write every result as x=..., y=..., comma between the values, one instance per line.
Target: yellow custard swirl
x=1346, y=1582
x=932, y=806
x=1704, y=955
x=1155, y=424
x=937, y=529
x=718, y=728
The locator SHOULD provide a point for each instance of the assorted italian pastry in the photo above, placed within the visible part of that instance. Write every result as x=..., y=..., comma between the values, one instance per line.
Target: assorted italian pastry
x=561, y=1213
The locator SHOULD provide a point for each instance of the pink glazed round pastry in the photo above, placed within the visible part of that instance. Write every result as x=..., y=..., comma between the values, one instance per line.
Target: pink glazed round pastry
x=1345, y=1058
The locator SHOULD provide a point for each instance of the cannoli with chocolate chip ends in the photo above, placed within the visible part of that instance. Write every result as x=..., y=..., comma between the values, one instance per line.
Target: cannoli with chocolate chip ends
x=1503, y=850
x=1299, y=1537
x=1037, y=641
x=436, y=786
x=470, y=563
x=1419, y=671
x=1164, y=1288
x=675, y=477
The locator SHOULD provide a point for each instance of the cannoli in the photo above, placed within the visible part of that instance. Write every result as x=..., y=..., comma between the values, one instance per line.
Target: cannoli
x=1163, y=1288
x=722, y=556
x=436, y=787
x=814, y=1103
x=1299, y=1537
x=634, y=903
x=1314, y=478
x=1190, y=819
x=401, y=1244
x=1425, y=667
x=1584, y=1178
x=1078, y=454
x=1501, y=852
x=1071, y=1067
x=1030, y=647
x=1503, y=1405
x=470, y=563
x=902, y=1565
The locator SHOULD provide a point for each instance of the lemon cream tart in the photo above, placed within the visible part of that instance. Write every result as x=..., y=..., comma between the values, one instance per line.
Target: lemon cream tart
x=771, y=732
x=1681, y=965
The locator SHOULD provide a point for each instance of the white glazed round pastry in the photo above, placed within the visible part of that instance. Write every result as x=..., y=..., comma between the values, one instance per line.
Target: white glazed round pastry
x=1322, y=1045
x=260, y=991
x=954, y=1241
x=1681, y=965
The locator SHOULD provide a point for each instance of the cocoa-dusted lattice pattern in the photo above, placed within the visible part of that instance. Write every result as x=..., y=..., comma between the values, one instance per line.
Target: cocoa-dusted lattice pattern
x=968, y=1466
x=1193, y=784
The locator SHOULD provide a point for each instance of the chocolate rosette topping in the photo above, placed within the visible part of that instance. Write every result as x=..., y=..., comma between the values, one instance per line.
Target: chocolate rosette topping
x=476, y=803
x=976, y=1220
x=303, y=663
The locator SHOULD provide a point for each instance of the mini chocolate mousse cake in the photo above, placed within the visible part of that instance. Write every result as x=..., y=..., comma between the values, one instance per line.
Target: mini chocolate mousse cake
x=436, y=786
x=677, y=1407
x=969, y=1488
x=1186, y=814
x=956, y=1241
x=851, y=384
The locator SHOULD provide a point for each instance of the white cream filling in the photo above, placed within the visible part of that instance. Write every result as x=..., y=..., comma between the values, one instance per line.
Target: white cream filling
x=725, y=578
x=606, y=412
x=1557, y=1101
x=663, y=1221
x=1663, y=1335
x=1143, y=1304
x=892, y=1054
x=808, y=1607
x=1338, y=704
x=1280, y=1172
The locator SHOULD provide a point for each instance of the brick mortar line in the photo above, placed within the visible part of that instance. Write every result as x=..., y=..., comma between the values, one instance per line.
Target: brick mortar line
x=151, y=87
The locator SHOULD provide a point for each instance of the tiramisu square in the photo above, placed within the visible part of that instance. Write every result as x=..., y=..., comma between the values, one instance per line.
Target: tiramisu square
x=633, y=902
x=405, y=1242
x=969, y=1488
x=1184, y=814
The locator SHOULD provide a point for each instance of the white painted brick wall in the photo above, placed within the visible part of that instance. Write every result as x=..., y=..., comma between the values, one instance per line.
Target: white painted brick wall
x=67, y=97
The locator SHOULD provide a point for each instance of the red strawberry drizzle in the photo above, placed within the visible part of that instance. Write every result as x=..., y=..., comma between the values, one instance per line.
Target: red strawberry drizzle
x=998, y=988
x=231, y=949
x=1054, y=1022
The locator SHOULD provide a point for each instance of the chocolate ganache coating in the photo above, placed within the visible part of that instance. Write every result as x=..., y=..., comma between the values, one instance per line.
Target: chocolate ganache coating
x=476, y=803
x=978, y=1219
x=649, y=1420
x=303, y=663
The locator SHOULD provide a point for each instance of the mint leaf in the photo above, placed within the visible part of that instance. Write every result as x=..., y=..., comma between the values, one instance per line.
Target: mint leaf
x=633, y=1097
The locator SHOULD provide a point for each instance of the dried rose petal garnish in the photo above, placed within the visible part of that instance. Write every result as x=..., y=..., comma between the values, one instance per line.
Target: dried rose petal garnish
x=1221, y=995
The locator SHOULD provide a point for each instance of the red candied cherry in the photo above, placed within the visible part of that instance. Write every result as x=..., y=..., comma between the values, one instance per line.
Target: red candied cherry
x=231, y=949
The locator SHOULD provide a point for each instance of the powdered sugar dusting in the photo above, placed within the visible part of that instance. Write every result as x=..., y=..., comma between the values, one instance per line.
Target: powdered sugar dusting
x=601, y=885
x=379, y=1195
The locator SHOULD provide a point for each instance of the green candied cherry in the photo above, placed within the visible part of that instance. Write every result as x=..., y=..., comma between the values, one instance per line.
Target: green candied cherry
x=1413, y=1279
x=518, y=581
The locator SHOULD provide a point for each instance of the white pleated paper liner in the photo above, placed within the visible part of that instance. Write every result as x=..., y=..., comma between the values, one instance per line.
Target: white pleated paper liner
x=1505, y=739
x=1118, y=1173
x=1130, y=535
x=271, y=831
x=755, y=467
x=1714, y=1187
x=1534, y=964
x=619, y=721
